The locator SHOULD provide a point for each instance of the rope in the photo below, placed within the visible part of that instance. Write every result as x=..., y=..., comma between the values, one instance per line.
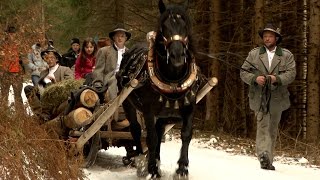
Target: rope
x=266, y=96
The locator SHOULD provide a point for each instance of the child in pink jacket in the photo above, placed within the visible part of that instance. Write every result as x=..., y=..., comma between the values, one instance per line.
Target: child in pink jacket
x=86, y=61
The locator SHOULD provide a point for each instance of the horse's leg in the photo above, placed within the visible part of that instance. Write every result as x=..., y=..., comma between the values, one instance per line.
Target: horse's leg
x=152, y=141
x=160, y=130
x=135, y=127
x=186, y=135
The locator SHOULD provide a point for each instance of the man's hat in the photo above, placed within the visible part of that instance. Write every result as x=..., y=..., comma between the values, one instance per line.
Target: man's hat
x=119, y=27
x=51, y=49
x=75, y=40
x=270, y=27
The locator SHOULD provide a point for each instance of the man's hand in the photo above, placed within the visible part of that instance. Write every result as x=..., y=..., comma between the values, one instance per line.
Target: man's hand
x=273, y=78
x=52, y=78
x=261, y=80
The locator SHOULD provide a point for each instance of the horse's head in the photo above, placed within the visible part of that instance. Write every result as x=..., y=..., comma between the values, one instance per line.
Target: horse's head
x=174, y=34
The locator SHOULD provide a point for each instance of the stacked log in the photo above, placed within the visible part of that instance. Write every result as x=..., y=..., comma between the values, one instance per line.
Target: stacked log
x=89, y=98
x=78, y=118
x=81, y=116
x=118, y=125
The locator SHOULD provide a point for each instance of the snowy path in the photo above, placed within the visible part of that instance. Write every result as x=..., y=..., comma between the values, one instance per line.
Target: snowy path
x=205, y=164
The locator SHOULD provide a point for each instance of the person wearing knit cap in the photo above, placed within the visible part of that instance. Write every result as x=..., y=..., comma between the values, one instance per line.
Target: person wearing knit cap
x=69, y=58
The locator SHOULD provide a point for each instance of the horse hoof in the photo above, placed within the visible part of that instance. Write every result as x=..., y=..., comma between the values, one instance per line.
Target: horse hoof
x=182, y=172
x=154, y=176
x=180, y=177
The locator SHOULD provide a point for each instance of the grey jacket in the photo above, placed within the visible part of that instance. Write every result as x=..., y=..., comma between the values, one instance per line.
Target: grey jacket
x=62, y=73
x=283, y=67
x=36, y=63
x=104, y=72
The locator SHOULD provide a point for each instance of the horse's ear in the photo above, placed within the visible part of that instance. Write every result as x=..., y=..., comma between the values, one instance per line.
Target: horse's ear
x=162, y=7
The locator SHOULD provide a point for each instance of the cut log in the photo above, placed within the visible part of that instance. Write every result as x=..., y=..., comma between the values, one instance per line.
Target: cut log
x=118, y=125
x=88, y=98
x=78, y=118
x=54, y=127
x=106, y=114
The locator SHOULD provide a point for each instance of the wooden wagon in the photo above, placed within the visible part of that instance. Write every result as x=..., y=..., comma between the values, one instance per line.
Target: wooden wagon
x=95, y=124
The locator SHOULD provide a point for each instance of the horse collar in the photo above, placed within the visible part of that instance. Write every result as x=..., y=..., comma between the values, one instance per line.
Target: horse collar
x=164, y=87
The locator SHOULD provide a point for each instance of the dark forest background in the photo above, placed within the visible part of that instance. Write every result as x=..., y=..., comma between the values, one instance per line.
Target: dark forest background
x=225, y=29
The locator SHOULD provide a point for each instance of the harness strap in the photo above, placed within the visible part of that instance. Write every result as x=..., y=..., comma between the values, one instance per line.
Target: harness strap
x=164, y=87
x=266, y=96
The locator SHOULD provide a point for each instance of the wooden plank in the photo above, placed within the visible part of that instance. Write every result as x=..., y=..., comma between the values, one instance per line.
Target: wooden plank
x=106, y=114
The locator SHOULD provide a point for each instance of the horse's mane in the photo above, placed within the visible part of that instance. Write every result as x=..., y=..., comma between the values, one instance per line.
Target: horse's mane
x=176, y=9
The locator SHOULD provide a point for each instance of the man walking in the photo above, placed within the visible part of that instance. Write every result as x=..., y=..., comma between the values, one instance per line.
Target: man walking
x=268, y=70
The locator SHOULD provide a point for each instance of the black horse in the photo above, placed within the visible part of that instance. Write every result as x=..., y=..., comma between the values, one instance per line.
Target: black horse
x=168, y=84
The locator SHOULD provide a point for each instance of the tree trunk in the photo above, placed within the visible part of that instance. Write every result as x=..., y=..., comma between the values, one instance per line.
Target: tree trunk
x=258, y=21
x=212, y=103
x=119, y=15
x=313, y=73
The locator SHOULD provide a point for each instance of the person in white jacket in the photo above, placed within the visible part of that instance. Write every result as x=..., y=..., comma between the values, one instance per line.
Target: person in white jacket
x=36, y=63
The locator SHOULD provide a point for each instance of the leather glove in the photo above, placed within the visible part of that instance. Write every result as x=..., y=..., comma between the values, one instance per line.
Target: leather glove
x=97, y=86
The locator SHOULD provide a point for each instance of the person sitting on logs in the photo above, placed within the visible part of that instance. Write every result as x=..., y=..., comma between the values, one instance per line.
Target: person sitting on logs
x=54, y=73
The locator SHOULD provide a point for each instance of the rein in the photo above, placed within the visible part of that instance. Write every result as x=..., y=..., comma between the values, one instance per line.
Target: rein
x=266, y=89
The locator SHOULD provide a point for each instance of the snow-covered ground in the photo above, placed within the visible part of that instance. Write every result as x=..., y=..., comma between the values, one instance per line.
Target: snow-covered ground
x=205, y=164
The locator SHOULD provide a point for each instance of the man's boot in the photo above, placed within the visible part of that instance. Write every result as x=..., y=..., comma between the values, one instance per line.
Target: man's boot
x=265, y=162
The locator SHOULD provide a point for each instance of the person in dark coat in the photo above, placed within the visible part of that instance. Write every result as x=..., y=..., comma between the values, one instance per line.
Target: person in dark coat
x=270, y=69
x=69, y=58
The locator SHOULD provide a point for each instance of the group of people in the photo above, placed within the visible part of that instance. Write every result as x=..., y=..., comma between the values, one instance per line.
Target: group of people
x=268, y=70
x=47, y=66
x=79, y=63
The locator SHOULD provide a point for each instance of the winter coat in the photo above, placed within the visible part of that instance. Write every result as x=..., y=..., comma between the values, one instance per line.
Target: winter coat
x=36, y=63
x=283, y=68
x=62, y=73
x=104, y=72
x=83, y=68
x=69, y=59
